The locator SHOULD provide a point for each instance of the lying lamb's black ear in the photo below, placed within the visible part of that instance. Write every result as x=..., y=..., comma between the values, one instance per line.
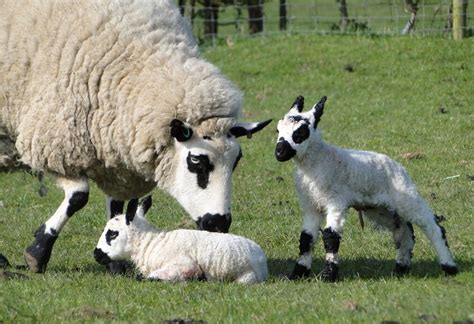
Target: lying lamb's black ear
x=131, y=210
x=318, y=110
x=298, y=104
x=146, y=204
x=241, y=129
x=180, y=131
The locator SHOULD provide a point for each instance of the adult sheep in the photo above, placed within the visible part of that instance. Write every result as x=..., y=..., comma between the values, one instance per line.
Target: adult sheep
x=115, y=91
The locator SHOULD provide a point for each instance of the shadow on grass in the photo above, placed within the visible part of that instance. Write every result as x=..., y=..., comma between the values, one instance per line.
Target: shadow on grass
x=368, y=268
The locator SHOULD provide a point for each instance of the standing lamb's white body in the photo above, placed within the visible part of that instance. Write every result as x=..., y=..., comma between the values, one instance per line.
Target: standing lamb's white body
x=331, y=180
x=115, y=91
x=180, y=255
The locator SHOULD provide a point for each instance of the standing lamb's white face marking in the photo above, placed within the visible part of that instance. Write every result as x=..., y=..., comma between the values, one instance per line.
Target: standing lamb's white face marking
x=295, y=128
x=203, y=178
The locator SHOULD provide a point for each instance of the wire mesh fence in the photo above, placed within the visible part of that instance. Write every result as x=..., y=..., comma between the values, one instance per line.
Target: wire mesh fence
x=223, y=18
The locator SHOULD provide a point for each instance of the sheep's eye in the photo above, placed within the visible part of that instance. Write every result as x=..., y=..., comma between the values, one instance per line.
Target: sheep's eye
x=194, y=160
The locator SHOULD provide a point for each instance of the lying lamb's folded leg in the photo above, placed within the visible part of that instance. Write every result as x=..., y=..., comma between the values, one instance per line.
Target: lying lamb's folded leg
x=183, y=269
x=76, y=195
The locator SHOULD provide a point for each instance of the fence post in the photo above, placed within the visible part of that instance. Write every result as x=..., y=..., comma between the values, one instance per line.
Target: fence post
x=459, y=18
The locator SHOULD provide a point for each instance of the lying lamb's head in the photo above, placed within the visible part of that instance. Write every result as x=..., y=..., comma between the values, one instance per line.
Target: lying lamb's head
x=203, y=178
x=296, y=127
x=112, y=244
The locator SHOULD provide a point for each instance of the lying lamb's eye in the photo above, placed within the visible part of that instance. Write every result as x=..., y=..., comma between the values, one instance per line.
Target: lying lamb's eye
x=111, y=235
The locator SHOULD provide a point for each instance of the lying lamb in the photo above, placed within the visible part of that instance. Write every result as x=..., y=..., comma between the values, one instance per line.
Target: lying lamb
x=179, y=255
x=330, y=180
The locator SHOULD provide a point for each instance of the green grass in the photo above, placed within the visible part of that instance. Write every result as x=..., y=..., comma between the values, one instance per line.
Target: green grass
x=390, y=103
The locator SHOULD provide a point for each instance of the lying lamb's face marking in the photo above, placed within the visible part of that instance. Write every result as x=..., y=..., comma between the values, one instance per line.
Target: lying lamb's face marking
x=295, y=128
x=113, y=241
x=203, y=177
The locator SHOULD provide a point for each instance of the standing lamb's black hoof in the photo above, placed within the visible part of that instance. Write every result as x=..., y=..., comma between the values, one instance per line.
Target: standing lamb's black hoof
x=119, y=267
x=401, y=270
x=330, y=272
x=449, y=270
x=299, y=272
x=4, y=262
x=38, y=253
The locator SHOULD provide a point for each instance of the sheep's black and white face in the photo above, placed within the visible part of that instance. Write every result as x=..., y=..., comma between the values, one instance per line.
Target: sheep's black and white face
x=203, y=178
x=113, y=241
x=296, y=128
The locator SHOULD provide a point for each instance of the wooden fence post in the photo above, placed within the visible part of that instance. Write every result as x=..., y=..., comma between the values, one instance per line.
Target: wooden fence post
x=459, y=18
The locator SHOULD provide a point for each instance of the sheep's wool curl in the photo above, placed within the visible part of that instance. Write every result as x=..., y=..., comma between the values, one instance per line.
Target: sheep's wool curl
x=90, y=87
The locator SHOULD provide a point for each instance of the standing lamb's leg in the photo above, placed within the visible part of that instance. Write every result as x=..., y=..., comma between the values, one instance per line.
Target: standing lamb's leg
x=76, y=195
x=309, y=234
x=404, y=238
x=420, y=214
x=114, y=207
x=332, y=235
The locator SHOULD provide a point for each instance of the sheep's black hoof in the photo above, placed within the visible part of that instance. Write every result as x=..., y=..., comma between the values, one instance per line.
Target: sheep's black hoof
x=299, y=272
x=119, y=267
x=401, y=269
x=38, y=253
x=140, y=277
x=449, y=270
x=4, y=262
x=330, y=272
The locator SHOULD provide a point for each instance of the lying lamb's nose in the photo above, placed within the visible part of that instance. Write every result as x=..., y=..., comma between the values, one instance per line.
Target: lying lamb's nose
x=284, y=151
x=101, y=257
x=214, y=222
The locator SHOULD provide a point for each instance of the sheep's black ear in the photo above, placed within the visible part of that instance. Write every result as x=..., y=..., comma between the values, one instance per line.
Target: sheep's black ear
x=318, y=110
x=180, y=131
x=298, y=104
x=131, y=210
x=146, y=203
x=241, y=129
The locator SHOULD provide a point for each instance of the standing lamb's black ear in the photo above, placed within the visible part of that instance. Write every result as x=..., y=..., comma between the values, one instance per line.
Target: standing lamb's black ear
x=241, y=129
x=318, y=110
x=131, y=210
x=180, y=131
x=298, y=104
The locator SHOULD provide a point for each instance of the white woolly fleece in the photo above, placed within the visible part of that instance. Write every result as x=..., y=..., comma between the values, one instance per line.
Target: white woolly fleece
x=90, y=87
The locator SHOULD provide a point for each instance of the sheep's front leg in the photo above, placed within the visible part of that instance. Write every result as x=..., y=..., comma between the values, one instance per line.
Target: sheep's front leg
x=183, y=269
x=76, y=195
x=309, y=234
x=332, y=235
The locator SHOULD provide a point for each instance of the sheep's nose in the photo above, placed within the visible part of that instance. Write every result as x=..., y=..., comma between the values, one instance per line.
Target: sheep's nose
x=284, y=151
x=214, y=222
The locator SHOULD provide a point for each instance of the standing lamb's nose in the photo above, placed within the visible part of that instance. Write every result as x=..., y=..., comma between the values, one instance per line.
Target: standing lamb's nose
x=214, y=222
x=284, y=151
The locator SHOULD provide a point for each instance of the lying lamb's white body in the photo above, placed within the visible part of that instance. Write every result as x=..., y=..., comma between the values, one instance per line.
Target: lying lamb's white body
x=181, y=255
x=331, y=180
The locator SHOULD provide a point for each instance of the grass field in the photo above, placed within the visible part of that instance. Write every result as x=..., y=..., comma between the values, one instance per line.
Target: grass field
x=405, y=95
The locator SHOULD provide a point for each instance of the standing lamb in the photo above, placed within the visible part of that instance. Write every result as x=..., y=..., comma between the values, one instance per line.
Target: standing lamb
x=115, y=92
x=331, y=180
x=179, y=255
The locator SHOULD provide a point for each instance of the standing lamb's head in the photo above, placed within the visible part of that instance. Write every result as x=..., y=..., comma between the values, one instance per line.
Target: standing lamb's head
x=203, y=178
x=113, y=243
x=296, y=127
